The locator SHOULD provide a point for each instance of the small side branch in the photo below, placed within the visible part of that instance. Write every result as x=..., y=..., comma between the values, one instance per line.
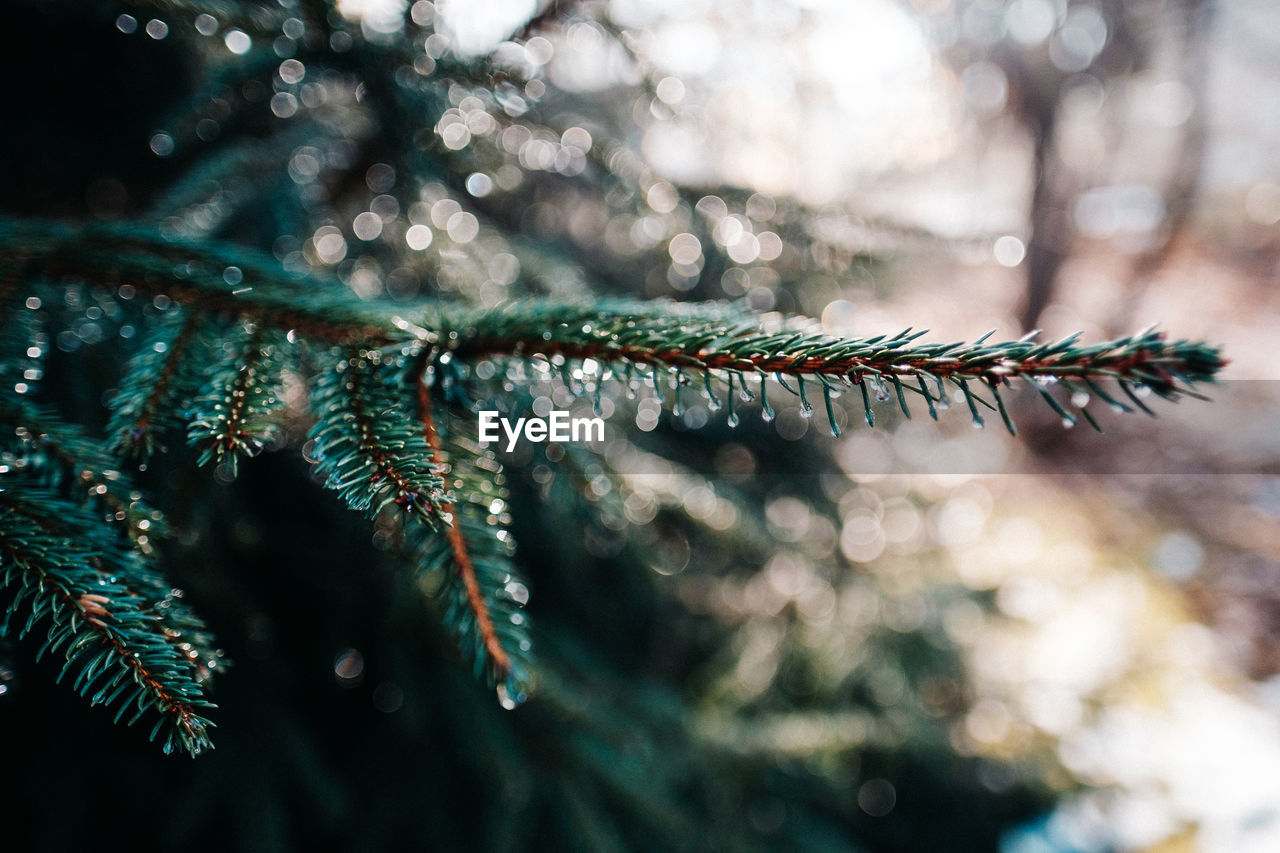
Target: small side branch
x=678, y=338
x=97, y=622
x=466, y=572
x=370, y=453
x=164, y=382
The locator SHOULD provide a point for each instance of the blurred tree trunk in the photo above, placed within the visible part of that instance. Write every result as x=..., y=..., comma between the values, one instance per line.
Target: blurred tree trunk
x=1182, y=190
x=1051, y=231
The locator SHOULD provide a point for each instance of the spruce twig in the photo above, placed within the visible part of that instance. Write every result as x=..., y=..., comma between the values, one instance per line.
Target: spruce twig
x=238, y=411
x=120, y=652
x=155, y=384
x=721, y=339
x=480, y=578
x=372, y=455
x=80, y=469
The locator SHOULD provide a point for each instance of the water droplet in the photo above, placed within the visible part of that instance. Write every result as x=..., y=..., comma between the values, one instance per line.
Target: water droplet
x=1068, y=423
x=766, y=415
x=712, y=403
x=1045, y=381
x=732, y=420
x=978, y=424
x=505, y=699
x=806, y=411
x=1080, y=399
x=1142, y=390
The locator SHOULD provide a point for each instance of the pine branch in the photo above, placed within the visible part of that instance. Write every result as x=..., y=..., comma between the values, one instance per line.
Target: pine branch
x=239, y=410
x=474, y=553
x=156, y=381
x=58, y=457
x=145, y=249
x=68, y=460
x=53, y=569
x=720, y=340
x=708, y=339
x=191, y=273
x=373, y=455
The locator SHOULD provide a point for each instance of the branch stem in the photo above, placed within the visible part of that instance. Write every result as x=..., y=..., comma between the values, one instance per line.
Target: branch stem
x=457, y=542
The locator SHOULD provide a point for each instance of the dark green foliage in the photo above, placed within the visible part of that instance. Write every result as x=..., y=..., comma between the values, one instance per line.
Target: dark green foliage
x=196, y=272
x=624, y=743
x=239, y=411
x=474, y=567
x=63, y=458
x=77, y=527
x=731, y=344
x=79, y=590
x=370, y=448
x=157, y=383
x=232, y=336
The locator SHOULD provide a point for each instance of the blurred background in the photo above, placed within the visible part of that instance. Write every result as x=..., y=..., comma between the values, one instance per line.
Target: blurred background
x=913, y=637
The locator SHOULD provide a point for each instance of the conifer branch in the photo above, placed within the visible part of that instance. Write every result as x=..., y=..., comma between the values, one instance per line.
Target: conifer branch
x=476, y=585
x=120, y=652
x=376, y=458
x=76, y=461
x=156, y=380
x=372, y=454
x=80, y=469
x=458, y=546
x=191, y=273
x=76, y=542
x=720, y=339
x=237, y=414
x=326, y=317
x=733, y=345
